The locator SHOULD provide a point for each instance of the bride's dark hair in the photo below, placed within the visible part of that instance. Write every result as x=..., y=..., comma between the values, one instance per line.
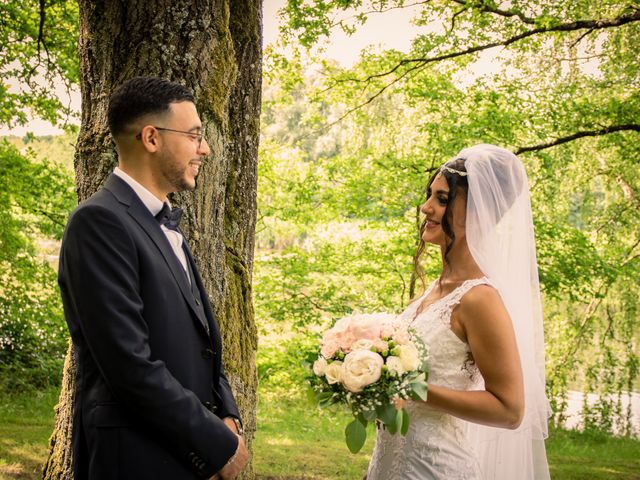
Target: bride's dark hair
x=457, y=183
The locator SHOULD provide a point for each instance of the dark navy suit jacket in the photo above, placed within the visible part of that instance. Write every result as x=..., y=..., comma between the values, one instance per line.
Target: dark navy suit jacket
x=151, y=390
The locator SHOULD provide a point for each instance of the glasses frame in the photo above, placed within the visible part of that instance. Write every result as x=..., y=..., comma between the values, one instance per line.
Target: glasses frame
x=196, y=136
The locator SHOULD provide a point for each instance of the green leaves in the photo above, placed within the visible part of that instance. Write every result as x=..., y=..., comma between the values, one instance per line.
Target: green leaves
x=35, y=198
x=356, y=434
x=38, y=68
x=418, y=391
x=396, y=421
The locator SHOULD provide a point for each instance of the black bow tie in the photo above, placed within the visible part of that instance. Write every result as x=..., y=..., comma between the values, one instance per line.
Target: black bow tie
x=169, y=217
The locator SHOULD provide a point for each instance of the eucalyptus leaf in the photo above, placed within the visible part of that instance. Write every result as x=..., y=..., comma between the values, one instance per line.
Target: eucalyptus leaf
x=355, y=435
x=405, y=422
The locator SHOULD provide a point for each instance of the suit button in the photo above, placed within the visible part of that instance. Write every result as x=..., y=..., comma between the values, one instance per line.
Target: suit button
x=207, y=354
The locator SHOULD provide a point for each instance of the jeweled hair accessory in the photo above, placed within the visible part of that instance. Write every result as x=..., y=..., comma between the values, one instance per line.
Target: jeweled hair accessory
x=444, y=168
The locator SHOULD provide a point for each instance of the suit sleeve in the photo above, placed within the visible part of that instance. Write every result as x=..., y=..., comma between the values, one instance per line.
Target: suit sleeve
x=100, y=270
x=228, y=407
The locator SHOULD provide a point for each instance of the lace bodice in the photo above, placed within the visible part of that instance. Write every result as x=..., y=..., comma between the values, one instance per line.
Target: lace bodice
x=436, y=446
x=450, y=361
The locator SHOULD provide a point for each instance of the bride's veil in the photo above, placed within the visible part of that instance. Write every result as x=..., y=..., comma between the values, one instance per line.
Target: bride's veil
x=499, y=229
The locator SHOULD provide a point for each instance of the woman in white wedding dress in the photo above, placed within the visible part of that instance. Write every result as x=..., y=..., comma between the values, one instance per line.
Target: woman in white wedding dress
x=486, y=413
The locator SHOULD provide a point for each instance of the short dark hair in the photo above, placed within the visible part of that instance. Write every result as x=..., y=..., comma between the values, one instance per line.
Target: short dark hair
x=142, y=96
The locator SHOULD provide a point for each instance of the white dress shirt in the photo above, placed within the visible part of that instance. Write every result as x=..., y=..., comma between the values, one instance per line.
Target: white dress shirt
x=155, y=205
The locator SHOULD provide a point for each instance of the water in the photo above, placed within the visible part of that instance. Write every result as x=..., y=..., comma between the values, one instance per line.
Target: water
x=574, y=408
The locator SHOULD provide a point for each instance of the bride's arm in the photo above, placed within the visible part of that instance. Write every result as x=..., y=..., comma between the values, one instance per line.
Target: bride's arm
x=483, y=319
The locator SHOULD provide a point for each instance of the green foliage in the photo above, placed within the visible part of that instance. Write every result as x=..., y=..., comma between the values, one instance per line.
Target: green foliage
x=35, y=197
x=35, y=66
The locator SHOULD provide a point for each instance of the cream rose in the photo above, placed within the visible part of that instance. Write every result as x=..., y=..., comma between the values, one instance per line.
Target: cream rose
x=319, y=366
x=409, y=356
x=361, y=368
x=333, y=372
x=395, y=367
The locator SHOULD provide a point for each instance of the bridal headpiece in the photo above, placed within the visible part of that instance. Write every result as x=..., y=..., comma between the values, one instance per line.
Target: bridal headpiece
x=444, y=168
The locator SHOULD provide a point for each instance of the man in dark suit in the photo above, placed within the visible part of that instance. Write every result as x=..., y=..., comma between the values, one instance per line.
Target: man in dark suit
x=152, y=400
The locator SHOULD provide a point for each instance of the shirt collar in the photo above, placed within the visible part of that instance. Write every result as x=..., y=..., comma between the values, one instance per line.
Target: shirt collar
x=149, y=199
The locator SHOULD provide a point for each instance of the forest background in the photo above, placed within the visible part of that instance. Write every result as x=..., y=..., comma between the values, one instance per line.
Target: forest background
x=346, y=151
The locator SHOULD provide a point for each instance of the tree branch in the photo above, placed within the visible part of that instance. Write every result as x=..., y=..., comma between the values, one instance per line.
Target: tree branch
x=503, y=13
x=563, y=27
x=41, y=29
x=575, y=136
x=381, y=10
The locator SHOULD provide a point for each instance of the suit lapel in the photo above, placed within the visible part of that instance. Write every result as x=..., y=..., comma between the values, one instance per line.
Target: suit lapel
x=213, y=326
x=143, y=217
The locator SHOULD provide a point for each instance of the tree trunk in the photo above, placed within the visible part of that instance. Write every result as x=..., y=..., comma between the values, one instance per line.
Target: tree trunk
x=214, y=48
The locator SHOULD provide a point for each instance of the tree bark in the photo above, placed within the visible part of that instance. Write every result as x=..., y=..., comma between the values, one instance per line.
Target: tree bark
x=214, y=48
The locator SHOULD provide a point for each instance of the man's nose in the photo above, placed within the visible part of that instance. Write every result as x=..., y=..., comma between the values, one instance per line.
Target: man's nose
x=204, y=148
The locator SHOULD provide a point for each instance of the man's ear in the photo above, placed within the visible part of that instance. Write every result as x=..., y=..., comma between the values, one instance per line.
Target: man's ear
x=149, y=138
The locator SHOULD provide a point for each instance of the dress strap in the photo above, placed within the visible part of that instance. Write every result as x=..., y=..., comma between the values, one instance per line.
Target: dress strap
x=454, y=297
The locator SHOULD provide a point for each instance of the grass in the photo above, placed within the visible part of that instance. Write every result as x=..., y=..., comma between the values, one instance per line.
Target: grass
x=296, y=441
x=26, y=422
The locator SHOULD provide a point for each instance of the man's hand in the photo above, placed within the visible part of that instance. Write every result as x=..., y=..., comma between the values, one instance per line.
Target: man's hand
x=228, y=421
x=236, y=464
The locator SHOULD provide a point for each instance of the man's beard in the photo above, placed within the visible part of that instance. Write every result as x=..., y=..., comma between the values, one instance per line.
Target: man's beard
x=175, y=175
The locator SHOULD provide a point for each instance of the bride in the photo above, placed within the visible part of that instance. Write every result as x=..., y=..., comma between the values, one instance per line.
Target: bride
x=486, y=412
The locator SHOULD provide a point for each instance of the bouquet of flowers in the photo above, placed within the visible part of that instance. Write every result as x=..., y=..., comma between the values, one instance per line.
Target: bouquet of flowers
x=370, y=362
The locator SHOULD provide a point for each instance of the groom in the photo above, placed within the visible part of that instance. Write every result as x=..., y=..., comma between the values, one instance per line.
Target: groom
x=152, y=400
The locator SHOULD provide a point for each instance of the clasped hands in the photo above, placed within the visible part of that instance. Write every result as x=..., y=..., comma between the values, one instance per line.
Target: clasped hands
x=238, y=461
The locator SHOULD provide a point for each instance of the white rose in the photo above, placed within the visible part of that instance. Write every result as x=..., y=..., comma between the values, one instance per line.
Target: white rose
x=362, y=344
x=394, y=365
x=361, y=368
x=319, y=366
x=333, y=372
x=409, y=356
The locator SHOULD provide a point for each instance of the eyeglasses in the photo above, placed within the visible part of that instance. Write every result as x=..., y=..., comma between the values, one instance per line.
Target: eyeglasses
x=196, y=136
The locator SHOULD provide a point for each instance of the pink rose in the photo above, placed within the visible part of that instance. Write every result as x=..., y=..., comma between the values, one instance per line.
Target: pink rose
x=329, y=348
x=387, y=330
x=341, y=325
x=401, y=337
x=381, y=345
x=368, y=328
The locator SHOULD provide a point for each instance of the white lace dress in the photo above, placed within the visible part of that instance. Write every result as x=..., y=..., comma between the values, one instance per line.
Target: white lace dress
x=436, y=445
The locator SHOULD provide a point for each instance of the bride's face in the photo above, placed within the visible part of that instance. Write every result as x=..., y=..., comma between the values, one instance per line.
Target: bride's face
x=435, y=210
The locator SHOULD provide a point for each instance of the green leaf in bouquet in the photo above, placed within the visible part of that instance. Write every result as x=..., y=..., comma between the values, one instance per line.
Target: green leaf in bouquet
x=387, y=414
x=369, y=415
x=399, y=420
x=355, y=434
x=324, y=398
x=405, y=422
x=418, y=391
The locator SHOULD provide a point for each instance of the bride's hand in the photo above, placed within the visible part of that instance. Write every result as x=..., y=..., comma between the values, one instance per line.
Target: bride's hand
x=399, y=403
